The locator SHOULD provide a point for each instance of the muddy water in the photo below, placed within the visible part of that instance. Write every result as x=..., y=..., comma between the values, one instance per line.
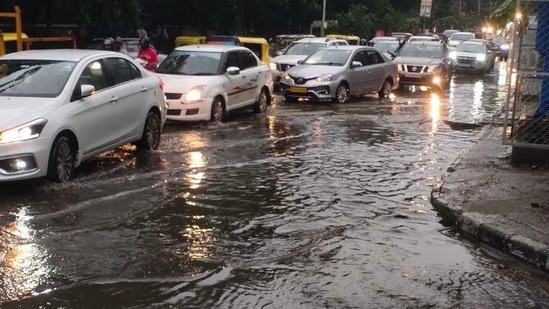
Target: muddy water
x=308, y=206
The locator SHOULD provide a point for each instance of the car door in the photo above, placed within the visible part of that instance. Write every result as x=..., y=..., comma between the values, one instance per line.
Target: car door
x=250, y=77
x=359, y=75
x=378, y=71
x=97, y=119
x=235, y=83
x=130, y=94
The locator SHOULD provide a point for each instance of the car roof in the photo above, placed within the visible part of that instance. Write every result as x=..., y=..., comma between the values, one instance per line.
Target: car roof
x=319, y=40
x=419, y=42
x=350, y=47
x=211, y=47
x=56, y=54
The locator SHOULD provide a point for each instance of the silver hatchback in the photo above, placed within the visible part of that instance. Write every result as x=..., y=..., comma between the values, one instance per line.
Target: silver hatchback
x=335, y=73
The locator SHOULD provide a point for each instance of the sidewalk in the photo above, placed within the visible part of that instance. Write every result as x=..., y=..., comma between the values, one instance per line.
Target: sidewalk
x=488, y=199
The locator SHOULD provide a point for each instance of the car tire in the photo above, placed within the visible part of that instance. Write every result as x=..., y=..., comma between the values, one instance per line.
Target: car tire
x=262, y=101
x=61, y=160
x=151, y=132
x=341, y=94
x=386, y=89
x=218, y=111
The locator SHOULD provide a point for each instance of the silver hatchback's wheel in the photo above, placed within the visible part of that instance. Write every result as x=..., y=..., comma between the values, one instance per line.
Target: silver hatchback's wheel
x=151, y=132
x=262, y=102
x=218, y=112
x=61, y=161
x=342, y=94
x=385, y=90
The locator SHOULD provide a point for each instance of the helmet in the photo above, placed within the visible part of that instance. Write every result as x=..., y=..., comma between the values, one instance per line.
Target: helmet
x=144, y=42
x=108, y=43
x=118, y=43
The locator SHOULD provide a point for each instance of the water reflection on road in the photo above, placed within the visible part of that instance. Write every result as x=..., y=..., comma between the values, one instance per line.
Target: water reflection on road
x=308, y=206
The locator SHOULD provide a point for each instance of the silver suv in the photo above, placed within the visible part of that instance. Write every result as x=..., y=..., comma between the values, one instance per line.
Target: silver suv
x=298, y=50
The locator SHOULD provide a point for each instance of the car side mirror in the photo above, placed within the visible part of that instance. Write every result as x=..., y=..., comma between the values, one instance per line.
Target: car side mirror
x=233, y=70
x=356, y=64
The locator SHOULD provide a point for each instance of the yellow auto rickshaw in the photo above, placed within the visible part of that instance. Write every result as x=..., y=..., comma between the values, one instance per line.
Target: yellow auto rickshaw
x=352, y=39
x=258, y=45
x=189, y=40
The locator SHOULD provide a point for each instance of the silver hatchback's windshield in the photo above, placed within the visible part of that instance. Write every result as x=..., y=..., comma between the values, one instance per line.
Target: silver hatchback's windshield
x=328, y=57
x=191, y=63
x=303, y=48
x=34, y=78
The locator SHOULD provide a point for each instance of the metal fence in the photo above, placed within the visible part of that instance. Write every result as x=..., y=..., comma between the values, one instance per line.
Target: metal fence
x=526, y=121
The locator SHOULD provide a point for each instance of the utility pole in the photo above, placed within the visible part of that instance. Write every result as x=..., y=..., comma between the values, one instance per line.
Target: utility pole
x=323, y=18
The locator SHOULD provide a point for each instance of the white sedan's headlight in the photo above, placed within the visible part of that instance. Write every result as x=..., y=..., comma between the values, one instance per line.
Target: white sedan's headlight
x=272, y=65
x=24, y=132
x=324, y=78
x=481, y=57
x=195, y=94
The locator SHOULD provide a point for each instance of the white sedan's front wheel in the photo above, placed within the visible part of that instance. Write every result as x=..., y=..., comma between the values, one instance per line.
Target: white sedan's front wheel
x=218, y=111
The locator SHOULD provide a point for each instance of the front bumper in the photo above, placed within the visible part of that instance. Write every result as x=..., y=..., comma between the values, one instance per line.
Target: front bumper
x=313, y=92
x=196, y=111
x=24, y=159
x=420, y=79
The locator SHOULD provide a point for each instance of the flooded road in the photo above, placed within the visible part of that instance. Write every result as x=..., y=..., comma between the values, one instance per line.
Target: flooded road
x=306, y=206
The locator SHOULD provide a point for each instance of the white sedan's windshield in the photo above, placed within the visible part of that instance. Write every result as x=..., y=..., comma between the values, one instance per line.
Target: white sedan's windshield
x=33, y=78
x=191, y=63
x=303, y=48
x=328, y=57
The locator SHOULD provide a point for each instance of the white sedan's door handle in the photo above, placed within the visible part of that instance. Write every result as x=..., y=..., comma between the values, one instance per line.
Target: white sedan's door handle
x=114, y=100
x=143, y=89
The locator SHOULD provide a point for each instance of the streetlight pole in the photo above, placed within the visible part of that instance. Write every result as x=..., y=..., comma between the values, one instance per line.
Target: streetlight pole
x=323, y=18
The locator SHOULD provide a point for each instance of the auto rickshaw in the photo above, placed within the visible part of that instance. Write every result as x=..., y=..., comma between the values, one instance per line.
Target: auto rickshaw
x=352, y=39
x=258, y=45
x=189, y=40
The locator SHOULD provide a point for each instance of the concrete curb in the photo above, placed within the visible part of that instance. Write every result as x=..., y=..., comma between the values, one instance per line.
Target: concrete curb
x=475, y=227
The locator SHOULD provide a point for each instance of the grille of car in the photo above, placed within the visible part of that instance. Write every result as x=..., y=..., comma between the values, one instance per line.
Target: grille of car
x=300, y=80
x=173, y=96
x=415, y=68
x=284, y=66
x=465, y=60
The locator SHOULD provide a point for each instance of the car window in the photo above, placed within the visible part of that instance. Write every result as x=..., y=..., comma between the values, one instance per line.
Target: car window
x=470, y=48
x=328, y=56
x=232, y=60
x=94, y=75
x=34, y=78
x=362, y=57
x=122, y=70
x=247, y=60
x=374, y=57
x=303, y=48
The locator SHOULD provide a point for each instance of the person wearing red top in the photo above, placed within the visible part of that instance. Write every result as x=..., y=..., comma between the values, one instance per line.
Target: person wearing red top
x=147, y=54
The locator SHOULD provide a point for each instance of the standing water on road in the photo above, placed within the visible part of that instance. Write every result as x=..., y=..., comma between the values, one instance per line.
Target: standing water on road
x=308, y=206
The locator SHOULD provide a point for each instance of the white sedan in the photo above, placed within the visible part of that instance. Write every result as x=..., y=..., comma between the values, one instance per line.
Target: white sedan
x=60, y=107
x=205, y=82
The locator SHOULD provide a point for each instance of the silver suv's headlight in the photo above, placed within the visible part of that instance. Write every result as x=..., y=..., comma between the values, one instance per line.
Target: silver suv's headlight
x=324, y=78
x=286, y=78
x=24, y=132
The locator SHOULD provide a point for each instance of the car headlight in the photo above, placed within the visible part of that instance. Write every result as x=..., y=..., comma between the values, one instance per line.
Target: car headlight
x=400, y=67
x=452, y=55
x=504, y=46
x=286, y=78
x=272, y=65
x=324, y=78
x=195, y=94
x=481, y=57
x=24, y=132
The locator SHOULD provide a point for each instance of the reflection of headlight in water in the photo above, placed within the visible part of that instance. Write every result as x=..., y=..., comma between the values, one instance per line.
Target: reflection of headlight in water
x=434, y=111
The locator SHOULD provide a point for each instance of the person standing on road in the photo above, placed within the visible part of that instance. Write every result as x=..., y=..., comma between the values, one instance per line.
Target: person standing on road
x=147, y=54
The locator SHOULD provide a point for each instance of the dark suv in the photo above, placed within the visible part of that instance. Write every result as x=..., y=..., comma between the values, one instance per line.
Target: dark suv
x=424, y=63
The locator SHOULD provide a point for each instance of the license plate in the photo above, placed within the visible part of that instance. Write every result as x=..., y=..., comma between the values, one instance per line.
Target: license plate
x=415, y=75
x=298, y=89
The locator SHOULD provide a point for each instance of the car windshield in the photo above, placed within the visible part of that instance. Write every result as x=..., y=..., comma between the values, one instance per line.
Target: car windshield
x=34, y=78
x=462, y=36
x=499, y=41
x=470, y=48
x=191, y=63
x=328, y=57
x=302, y=48
x=419, y=50
x=387, y=46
